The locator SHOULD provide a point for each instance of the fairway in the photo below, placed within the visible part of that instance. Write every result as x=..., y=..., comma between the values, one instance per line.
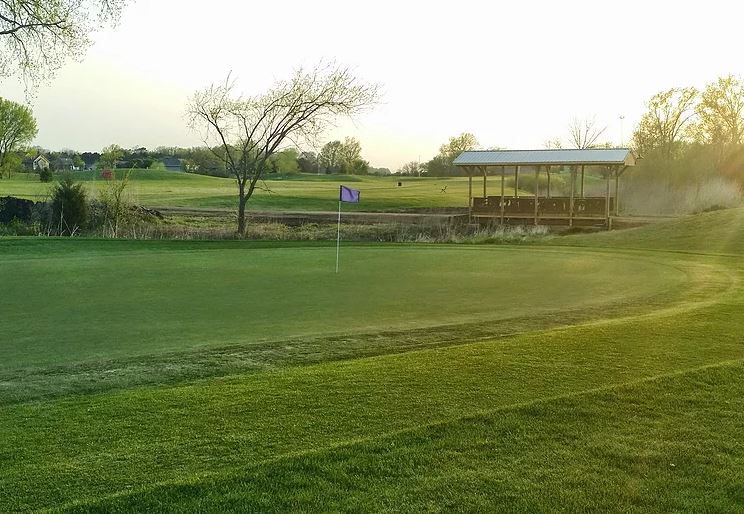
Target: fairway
x=289, y=193
x=603, y=374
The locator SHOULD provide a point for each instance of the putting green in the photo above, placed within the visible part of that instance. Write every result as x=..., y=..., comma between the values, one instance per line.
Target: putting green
x=65, y=303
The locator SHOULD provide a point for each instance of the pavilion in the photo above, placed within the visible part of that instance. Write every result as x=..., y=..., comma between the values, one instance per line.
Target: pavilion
x=543, y=207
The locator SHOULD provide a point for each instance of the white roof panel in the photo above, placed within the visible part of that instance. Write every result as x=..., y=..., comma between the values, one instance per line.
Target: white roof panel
x=593, y=156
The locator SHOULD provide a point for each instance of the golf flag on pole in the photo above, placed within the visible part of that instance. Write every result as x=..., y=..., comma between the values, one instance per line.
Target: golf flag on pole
x=348, y=195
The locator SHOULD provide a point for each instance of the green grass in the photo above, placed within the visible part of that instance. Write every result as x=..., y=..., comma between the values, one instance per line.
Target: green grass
x=292, y=193
x=632, y=402
x=143, y=298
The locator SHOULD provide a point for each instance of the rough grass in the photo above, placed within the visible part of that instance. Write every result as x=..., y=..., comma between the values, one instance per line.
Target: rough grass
x=718, y=232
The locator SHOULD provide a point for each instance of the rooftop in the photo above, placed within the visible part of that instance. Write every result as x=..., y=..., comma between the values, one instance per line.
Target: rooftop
x=557, y=157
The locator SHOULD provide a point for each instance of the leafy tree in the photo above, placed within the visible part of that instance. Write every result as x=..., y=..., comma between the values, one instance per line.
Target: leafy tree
x=110, y=156
x=90, y=158
x=36, y=37
x=413, y=168
x=203, y=161
x=17, y=128
x=458, y=144
x=721, y=114
x=330, y=156
x=69, y=206
x=358, y=167
x=343, y=157
x=308, y=162
x=441, y=165
x=285, y=161
x=251, y=130
x=664, y=126
x=350, y=155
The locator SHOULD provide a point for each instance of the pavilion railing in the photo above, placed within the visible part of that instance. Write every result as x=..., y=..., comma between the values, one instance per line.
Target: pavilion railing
x=555, y=206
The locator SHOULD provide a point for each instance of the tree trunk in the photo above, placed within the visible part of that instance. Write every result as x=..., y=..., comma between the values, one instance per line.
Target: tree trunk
x=242, y=200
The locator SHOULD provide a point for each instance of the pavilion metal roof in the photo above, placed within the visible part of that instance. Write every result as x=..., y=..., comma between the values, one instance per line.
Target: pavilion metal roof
x=589, y=157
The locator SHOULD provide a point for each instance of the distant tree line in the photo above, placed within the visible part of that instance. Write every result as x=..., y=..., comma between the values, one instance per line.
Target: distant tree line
x=336, y=157
x=692, y=148
x=441, y=165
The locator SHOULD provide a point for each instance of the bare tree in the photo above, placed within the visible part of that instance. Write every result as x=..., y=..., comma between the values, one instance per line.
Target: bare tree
x=248, y=131
x=37, y=37
x=584, y=133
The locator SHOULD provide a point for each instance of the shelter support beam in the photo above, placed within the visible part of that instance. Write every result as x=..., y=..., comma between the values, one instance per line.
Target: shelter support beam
x=617, y=192
x=516, y=182
x=537, y=189
x=503, y=172
x=571, y=197
x=582, y=182
x=607, y=199
x=485, y=195
x=470, y=196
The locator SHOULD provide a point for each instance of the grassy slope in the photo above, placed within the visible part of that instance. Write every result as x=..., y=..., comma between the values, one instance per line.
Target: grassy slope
x=637, y=413
x=719, y=232
x=302, y=192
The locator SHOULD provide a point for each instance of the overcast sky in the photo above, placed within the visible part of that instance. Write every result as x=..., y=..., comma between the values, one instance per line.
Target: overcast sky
x=514, y=73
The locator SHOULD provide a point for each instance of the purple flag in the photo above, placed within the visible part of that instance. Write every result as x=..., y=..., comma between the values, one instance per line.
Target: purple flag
x=346, y=194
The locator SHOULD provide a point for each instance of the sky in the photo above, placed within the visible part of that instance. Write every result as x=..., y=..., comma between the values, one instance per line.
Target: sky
x=512, y=73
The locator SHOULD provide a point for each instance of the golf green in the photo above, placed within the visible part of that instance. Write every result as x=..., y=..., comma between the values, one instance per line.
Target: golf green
x=66, y=303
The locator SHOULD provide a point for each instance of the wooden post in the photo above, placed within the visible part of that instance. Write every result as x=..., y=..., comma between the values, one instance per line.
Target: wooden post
x=607, y=199
x=571, y=198
x=503, y=172
x=617, y=192
x=537, y=189
x=547, y=170
x=582, y=181
x=484, y=183
x=470, y=196
x=516, y=182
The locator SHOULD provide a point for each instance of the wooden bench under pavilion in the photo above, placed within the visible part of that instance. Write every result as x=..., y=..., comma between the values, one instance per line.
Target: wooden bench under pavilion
x=544, y=208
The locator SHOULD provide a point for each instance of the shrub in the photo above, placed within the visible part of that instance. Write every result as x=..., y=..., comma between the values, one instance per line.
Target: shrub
x=69, y=206
x=12, y=208
x=45, y=175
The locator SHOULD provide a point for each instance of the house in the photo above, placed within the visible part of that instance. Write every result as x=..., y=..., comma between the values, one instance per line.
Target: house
x=172, y=164
x=65, y=163
x=40, y=163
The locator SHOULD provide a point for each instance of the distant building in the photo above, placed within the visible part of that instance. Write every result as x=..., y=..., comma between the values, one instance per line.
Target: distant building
x=40, y=163
x=66, y=164
x=172, y=164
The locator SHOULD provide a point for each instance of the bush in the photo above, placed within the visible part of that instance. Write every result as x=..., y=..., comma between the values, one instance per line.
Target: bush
x=69, y=206
x=12, y=208
x=45, y=175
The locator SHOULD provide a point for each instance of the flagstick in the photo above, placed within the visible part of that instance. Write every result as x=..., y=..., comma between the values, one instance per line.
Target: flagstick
x=338, y=236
